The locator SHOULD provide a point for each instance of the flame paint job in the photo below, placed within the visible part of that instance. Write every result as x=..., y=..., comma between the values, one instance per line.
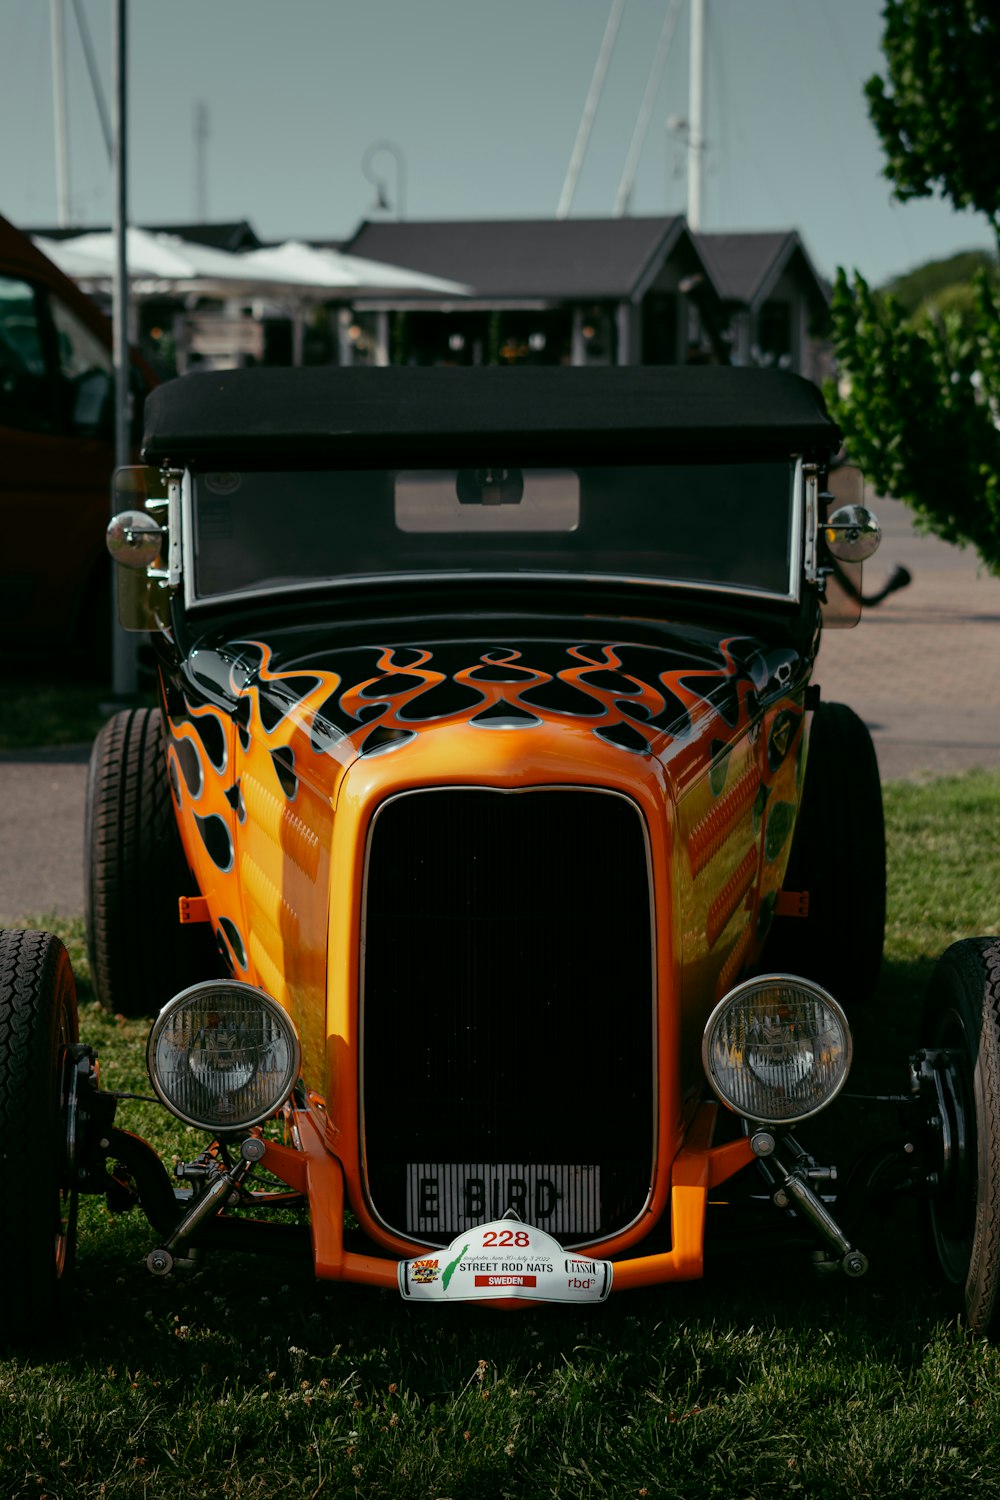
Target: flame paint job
x=281, y=749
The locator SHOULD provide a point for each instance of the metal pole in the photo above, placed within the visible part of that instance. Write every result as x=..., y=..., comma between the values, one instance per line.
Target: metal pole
x=119, y=168
x=59, y=112
x=696, y=108
x=200, y=153
x=124, y=673
x=590, y=108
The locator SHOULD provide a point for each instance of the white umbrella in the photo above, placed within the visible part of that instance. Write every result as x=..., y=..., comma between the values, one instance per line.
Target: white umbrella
x=81, y=265
x=154, y=256
x=151, y=256
x=300, y=265
x=145, y=254
x=291, y=276
x=293, y=267
x=308, y=265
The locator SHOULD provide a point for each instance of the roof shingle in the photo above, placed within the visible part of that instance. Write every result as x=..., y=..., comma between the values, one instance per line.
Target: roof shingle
x=566, y=259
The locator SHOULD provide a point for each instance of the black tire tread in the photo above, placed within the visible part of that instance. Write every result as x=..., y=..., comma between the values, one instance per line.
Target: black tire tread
x=135, y=872
x=967, y=979
x=37, y=1012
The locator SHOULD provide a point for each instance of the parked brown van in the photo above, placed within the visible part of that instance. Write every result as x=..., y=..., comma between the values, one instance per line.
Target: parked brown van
x=56, y=456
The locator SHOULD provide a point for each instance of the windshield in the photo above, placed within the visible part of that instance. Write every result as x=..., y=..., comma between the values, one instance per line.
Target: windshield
x=718, y=525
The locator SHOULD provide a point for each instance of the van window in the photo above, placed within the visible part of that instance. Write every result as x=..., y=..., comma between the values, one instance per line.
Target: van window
x=86, y=368
x=27, y=394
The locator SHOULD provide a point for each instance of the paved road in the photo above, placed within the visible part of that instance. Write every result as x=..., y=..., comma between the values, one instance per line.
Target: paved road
x=922, y=669
x=41, y=832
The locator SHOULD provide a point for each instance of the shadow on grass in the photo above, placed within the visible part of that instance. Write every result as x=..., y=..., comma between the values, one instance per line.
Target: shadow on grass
x=244, y=1315
x=238, y=1319
x=251, y=1319
x=887, y=1030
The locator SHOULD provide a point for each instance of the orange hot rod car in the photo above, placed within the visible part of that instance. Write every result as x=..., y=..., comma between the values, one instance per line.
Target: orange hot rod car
x=499, y=884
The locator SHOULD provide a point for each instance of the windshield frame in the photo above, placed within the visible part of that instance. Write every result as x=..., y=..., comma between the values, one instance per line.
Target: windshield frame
x=524, y=577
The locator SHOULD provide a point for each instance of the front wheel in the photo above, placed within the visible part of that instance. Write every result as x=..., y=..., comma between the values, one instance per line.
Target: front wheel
x=38, y=1027
x=135, y=871
x=961, y=1032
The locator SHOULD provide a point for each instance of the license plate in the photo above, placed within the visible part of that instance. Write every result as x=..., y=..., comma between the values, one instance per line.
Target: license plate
x=505, y=1259
x=451, y=1197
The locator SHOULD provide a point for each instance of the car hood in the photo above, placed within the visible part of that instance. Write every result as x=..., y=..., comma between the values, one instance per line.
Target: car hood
x=662, y=693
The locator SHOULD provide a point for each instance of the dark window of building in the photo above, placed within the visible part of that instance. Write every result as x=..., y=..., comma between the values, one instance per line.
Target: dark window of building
x=497, y=337
x=535, y=338
x=659, y=329
x=774, y=333
x=598, y=334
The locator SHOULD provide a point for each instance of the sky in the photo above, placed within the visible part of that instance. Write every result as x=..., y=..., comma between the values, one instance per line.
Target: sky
x=480, y=101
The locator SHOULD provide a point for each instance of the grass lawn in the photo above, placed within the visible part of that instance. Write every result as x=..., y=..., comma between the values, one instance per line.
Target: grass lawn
x=244, y=1378
x=50, y=712
x=40, y=709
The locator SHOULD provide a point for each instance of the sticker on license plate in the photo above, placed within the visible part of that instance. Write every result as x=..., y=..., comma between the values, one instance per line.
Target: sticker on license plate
x=505, y=1259
x=451, y=1197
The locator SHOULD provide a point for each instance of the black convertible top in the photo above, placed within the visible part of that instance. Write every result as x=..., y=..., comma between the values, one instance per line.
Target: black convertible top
x=364, y=417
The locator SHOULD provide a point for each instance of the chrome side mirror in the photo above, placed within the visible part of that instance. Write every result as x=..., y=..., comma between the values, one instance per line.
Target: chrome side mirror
x=141, y=547
x=134, y=539
x=852, y=533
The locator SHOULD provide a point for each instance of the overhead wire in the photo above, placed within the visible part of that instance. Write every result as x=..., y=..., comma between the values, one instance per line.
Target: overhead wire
x=96, y=85
x=624, y=194
x=590, y=108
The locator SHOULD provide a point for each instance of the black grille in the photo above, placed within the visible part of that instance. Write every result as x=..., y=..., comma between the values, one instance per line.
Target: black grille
x=508, y=994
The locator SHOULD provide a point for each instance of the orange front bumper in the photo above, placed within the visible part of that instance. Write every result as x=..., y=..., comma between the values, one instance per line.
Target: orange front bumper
x=698, y=1168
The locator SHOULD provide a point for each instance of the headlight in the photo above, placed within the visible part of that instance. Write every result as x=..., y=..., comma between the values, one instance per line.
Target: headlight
x=223, y=1056
x=777, y=1049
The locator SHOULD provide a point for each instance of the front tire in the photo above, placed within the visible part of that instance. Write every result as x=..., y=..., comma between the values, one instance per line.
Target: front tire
x=38, y=1026
x=140, y=955
x=961, y=1020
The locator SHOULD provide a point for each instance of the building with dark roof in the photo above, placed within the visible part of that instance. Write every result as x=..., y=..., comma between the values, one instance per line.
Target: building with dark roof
x=543, y=291
x=641, y=290
x=776, y=304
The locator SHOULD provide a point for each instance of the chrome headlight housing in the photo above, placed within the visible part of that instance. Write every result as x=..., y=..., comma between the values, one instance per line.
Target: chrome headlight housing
x=223, y=1056
x=777, y=1049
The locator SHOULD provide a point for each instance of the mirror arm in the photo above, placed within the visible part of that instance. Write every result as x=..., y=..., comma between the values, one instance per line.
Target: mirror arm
x=171, y=503
x=810, y=477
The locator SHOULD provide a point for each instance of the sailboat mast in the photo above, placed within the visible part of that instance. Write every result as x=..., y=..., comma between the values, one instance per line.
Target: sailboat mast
x=696, y=110
x=59, y=112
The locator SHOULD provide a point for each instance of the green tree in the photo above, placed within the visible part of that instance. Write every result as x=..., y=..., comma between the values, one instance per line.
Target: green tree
x=919, y=401
x=939, y=116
